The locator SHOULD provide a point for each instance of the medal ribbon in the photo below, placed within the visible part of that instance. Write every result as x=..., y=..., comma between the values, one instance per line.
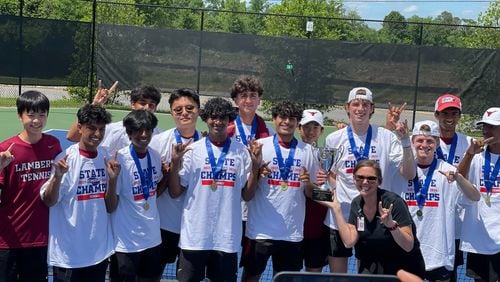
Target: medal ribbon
x=146, y=181
x=217, y=167
x=241, y=130
x=451, y=153
x=178, y=137
x=353, y=144
x=284, y=167
x=489, y=179
x=421, y=192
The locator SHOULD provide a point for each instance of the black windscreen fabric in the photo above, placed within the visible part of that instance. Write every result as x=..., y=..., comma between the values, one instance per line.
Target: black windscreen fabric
x=304, y=70
x=53, y=52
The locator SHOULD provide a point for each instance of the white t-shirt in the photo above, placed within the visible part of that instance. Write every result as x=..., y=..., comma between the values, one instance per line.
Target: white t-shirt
x=276, y=213
x=170, y=209
x=211, y=219
x=237, y=137
x=135, y=227
x=79, y=225
x=481, y=226
x=116, y=137
x=436, y=228
x=385, y=148
x=463, y=143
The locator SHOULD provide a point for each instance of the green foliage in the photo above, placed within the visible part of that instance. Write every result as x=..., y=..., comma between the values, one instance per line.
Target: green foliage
x=78, y=94
x=485, y=37
x=395, y=29
x=467, y=125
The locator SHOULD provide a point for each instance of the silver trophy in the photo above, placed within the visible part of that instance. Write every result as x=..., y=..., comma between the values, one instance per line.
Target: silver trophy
x=329, y=158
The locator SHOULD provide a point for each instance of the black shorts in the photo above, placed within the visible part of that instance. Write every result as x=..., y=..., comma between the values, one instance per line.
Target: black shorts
x=287, y=256
x=169, y=246
x=128, y=266
x=28, y=264
x=220, y=266
x=337, y=247
x=440, y=273
x=459, y=255
x=316, y=251
x=485, y=267
x=83, y=274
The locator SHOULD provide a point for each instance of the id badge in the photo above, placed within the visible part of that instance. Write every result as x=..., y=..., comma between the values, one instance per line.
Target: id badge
x=361, y=223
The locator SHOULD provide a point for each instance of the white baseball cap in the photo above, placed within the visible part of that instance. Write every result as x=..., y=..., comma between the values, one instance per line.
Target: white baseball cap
x=360, y=93
x=311, y=115
x=491, y=116
x=434, y=128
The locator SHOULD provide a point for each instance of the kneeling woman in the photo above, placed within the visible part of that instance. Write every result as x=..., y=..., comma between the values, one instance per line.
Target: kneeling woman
x=380, y=226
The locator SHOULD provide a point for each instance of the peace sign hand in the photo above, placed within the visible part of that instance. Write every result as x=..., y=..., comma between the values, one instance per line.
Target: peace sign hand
x=6, y=157
x=102, y=94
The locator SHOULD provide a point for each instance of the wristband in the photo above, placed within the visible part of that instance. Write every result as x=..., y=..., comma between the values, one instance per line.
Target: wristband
x=406, y=143
x=394, y=227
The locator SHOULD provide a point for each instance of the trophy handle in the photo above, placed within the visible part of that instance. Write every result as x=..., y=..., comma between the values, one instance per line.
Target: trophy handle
x=339, y=153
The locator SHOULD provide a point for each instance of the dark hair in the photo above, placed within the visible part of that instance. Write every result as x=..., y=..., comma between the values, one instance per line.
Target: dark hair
x=139, y=119
x=287, y=109
x=34, y=101
x=246, y=83
x=184, y=92
x=369, y=163
x=218, y=108
x=145, y=92
x=93, y=114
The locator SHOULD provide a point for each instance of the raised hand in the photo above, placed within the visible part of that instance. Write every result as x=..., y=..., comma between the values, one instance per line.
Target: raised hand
x=264, y=170
x=477, y=146
x=178, y=150
x=393, y=115
x=255, y=150
x=385, y=215
x=113, y=167
x=450, y=175
x=401, y=130
x=304, y=175
x=61, y=167
x=6, y=157
x=102, y=94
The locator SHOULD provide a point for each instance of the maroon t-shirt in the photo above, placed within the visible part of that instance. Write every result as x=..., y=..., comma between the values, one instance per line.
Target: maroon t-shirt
x=24, y=218
x=313, y=223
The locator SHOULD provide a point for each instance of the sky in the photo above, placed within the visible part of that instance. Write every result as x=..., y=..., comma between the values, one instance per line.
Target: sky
x=377, y=9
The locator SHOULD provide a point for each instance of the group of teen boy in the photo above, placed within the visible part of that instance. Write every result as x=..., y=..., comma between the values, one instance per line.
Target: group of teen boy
x=133, y=198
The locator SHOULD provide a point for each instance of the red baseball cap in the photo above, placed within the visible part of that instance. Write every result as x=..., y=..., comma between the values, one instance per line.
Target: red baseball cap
x=447, y=101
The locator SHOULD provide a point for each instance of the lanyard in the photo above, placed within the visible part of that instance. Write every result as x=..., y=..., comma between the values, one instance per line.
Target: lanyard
x=284, y=167
x=146, y=180
x=353, y=144
x=241, y=130
x=489, y=179
x=421, y=192
x=217, y=167
x=451, y=153
x=178, y=137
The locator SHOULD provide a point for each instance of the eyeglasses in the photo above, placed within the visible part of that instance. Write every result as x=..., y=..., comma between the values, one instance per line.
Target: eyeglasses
x=178, y=110
x=361, y=178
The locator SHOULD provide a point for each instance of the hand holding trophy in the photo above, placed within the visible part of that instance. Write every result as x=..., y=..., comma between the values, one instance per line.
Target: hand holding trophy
x=328, y=157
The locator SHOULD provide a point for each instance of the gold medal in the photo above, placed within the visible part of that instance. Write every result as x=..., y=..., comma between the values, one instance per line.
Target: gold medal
x=420, y=213
x=146, y=206
x=284, y=186
x=487, y=199
x=213, y=186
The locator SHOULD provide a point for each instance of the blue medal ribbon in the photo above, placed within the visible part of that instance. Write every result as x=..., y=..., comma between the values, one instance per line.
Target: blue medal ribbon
x=178, y=137
x=421, y=191
x=489, y=179
x=217, y=167
x=451, y=153
x=353, y=144
x=241, y=130
x=284, y=167
x=146, y=180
